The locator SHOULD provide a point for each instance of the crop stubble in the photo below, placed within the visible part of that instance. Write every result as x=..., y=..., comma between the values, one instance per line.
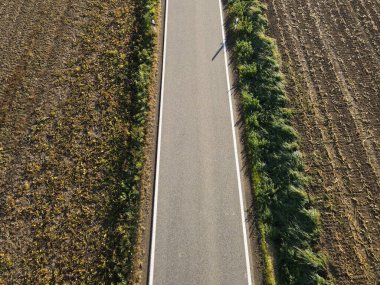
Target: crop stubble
x=62, y=137
x=331, y=57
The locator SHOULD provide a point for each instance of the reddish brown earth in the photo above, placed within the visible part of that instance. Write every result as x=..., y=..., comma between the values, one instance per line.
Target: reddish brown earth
x=331, y=58
x=62, y=138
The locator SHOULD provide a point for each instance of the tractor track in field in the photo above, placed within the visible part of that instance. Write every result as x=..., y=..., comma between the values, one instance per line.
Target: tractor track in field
x=330, y=52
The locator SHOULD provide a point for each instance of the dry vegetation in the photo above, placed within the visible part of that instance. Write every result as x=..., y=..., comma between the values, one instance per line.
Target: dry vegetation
x=67, y=198
x=331, y=58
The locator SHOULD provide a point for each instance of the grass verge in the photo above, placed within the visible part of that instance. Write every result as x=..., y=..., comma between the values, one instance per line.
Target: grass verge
x=286, y=217
x=124, y=230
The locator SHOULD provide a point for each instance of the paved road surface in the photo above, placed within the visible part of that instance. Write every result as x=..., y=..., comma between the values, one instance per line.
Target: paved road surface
x=198, y=234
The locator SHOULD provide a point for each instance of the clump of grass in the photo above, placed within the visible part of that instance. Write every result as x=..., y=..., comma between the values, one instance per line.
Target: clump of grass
x=285, y=212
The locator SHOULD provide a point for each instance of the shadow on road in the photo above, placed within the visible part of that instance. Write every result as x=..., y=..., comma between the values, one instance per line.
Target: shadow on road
x=218, y=51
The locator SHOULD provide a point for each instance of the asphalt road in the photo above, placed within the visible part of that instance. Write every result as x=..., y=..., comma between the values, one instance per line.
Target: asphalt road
x=198, y=234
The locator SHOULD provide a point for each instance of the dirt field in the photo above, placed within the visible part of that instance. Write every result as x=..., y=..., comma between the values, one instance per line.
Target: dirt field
x=62, y=138
x=331, y=57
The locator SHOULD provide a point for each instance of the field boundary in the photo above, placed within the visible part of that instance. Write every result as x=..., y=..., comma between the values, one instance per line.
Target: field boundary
x=285, y=214
x=141, y=262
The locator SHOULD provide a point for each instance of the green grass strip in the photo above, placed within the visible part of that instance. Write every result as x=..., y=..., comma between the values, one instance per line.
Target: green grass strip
x=286, y=217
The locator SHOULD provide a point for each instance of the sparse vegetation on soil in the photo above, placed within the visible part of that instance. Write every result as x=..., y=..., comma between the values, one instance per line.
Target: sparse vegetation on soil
x=331, y=54
x=74, y=96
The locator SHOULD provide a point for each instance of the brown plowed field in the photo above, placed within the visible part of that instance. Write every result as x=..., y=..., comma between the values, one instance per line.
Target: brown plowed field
x=331, y=57
x=62, y=137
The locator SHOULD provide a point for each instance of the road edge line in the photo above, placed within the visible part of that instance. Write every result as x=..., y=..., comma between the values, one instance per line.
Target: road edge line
x=155, y=196
x=237, y=164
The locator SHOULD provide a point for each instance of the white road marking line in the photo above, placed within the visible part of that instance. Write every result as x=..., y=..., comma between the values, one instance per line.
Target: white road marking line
x=247, y=260
x=153, y=242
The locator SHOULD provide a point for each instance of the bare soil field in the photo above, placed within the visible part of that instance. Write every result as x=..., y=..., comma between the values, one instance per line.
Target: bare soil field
x=331, y=57
x=63, y=135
